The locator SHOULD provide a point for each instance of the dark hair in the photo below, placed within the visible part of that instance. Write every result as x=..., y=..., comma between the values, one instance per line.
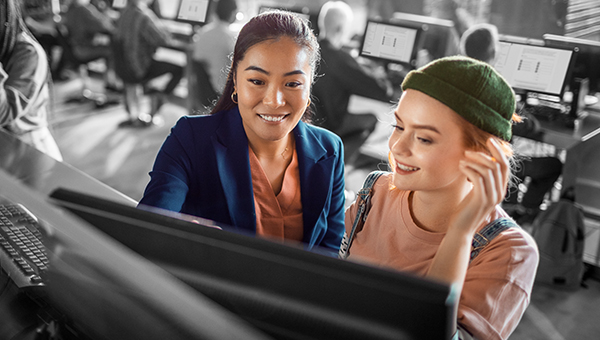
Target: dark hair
x=225, y=9
x=11, y=25
x=270, y=25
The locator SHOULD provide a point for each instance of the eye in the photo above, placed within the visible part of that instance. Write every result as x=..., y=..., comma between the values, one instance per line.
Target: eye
x=256, y=81
x=293, y=84
x=424, y=140
x=397, y=127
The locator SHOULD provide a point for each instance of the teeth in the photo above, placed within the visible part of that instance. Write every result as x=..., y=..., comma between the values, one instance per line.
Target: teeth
x=406, y=168
x=272, y=118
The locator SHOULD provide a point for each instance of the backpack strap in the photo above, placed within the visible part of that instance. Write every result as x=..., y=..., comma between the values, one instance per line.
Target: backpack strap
x=487, y=234
x=364, y=203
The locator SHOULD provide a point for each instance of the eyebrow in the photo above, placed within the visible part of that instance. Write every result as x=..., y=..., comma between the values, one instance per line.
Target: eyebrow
x=261, y=70
x=421, y=126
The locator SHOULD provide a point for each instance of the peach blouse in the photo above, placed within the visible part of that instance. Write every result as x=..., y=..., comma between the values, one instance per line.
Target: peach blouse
x=277, y=216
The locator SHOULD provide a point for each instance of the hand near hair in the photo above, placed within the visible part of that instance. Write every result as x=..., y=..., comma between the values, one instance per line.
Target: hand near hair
x=489, y=176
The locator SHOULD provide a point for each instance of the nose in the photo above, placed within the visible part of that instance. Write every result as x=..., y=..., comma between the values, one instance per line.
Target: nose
x=274, y=97
x=400, y=144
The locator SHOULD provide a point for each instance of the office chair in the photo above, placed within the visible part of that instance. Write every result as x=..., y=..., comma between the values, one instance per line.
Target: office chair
x=69, y=57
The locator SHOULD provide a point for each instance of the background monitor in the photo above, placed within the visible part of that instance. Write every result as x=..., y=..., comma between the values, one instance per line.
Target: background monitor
x=391, y=42
x=283, y=290
x=195, y=11
x=534, y=69
x=440, y=36
x=587, y=58
x=119, y=4
x=188, y=11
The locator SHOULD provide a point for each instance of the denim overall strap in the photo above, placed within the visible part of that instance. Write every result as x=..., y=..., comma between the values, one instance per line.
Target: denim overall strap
x=364, y=199
x=485, y=235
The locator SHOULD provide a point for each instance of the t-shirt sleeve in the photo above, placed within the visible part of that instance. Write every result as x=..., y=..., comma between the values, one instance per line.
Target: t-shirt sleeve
x=498, y=286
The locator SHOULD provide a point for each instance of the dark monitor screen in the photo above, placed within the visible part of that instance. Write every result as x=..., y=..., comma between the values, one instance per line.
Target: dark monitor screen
x=93, y=286
x=440, y=37
x=283, y=290
x=391, y=42
x=534, y=69
x=587, y=59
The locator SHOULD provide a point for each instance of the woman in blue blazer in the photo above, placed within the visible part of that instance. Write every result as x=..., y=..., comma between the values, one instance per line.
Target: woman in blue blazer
x=204, y=167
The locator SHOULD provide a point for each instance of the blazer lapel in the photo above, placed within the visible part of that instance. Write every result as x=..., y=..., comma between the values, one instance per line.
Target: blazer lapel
x=315, y=176
x=231, y=150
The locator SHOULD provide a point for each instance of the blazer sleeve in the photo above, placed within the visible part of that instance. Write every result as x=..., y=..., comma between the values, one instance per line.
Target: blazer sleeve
x=169, y=179
x=335, y=218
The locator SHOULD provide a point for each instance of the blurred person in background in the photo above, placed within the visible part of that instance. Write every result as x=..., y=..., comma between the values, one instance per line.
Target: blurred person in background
x=24, y=76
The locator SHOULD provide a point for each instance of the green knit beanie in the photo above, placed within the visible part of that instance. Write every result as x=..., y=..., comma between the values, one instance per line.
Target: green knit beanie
x=471, y=88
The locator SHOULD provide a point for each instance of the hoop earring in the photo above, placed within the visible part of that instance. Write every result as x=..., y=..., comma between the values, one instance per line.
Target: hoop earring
x=309, y=102
x=234, y=98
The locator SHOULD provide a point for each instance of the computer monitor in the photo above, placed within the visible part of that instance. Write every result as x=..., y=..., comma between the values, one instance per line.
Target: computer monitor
x=283, y=290
x=587, y=58
x=119, y=4
x=95, y=288
x=535, y=69
x=520, y=40
x=391, y=42
x=188, y=11
x=440, y=36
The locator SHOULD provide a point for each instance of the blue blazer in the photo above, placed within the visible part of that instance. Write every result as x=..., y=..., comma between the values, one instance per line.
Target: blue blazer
x=203, y=169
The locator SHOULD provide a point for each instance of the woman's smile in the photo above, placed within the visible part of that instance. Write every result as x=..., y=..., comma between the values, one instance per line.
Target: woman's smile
x=273, y=118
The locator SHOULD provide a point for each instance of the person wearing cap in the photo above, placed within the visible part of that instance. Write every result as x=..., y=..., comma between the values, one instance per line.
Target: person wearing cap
x=450, y=158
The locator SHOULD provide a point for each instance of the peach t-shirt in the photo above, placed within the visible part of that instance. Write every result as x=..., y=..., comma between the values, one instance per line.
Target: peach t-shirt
x=278, y=217
x=498, y=283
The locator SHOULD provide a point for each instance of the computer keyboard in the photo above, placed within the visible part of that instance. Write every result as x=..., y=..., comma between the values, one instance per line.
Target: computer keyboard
x=22, y=253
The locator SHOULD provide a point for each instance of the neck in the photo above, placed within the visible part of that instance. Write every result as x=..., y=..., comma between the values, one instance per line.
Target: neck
x=431, y=210
x=273, y=150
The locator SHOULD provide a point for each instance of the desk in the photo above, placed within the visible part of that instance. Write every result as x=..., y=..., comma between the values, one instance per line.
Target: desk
x=44, y=174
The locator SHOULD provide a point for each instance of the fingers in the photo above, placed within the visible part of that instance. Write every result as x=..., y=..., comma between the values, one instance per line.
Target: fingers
x=493, y=171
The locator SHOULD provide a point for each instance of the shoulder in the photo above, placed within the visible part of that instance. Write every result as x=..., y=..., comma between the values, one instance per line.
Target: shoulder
x=325, y=137
x=28, y=59
x=200, y=124
x=514, y=255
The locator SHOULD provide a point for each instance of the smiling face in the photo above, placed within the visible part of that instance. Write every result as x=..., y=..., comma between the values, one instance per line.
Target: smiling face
x=426, y=145
x=272, y=83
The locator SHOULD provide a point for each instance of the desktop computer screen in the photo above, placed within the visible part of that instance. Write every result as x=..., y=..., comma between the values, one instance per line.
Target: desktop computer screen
x=391, y=42
x=193, y=10
x=440, y=37
x=534, y=69
x=283, y=290
x=587, y=59
x=119, y=4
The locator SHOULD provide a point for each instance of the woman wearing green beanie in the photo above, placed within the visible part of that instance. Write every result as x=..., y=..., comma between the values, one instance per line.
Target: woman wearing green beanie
x=437, y=214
